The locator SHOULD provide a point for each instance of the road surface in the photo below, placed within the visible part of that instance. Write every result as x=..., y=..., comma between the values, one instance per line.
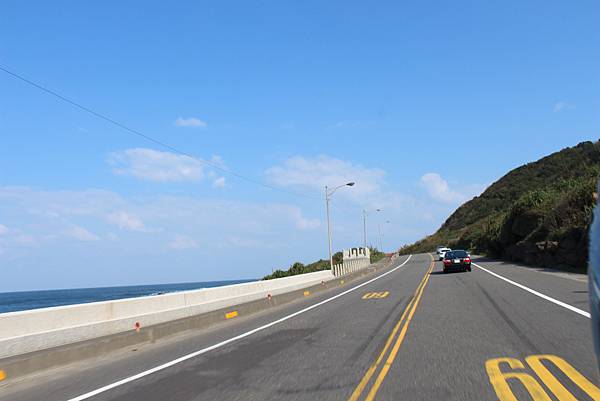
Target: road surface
x=407, y=333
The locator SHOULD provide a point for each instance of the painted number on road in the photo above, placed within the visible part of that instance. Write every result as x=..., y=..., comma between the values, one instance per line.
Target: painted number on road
x=539, y=364
x=374, y=295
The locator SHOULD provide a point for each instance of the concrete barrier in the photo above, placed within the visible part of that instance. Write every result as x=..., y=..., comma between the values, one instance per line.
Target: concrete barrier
x=37, y=340
x=33, y=330
x=354, y=259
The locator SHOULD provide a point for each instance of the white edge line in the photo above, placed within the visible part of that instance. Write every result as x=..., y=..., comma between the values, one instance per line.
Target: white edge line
x=228, y=341
x=539, y=294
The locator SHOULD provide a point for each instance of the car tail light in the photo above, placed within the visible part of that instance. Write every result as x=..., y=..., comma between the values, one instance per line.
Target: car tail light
x=447, y=262
x=467, y=260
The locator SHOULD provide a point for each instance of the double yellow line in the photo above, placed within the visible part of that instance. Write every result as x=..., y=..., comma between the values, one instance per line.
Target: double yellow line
x=404, y=323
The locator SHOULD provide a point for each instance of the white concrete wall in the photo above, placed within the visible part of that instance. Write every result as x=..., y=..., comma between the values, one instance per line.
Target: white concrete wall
x=32, y=330
x=358, y=252
x=349, y=266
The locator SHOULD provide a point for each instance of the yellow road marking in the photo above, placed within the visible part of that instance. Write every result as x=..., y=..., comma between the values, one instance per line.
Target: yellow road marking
x=361, y=386
x=371, y=295
x=500, y=384
x=535, y=361
x=2, y=375
x=230, y=315
x=373, y=368
x=394, y=352
x=498, y=379
x=306, y=293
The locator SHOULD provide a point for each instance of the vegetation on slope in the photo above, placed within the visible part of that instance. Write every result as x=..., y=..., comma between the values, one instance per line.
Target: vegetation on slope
x=300, y=268
x=376, y=255
x=538, y=213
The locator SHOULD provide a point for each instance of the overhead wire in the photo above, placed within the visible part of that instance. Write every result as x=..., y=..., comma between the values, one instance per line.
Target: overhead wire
x=149, y=138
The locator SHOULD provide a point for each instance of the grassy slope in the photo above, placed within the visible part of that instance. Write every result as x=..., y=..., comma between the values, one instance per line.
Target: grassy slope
x=299, y=268
x=538, y=213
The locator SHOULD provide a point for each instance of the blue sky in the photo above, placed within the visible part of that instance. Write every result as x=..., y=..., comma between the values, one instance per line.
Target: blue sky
x=423, y=104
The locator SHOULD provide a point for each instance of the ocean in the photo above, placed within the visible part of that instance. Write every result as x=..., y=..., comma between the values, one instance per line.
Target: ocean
x=25, y=300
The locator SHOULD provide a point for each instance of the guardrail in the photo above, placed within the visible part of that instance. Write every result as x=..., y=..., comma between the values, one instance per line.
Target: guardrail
x=35, y=340
x=33, y=330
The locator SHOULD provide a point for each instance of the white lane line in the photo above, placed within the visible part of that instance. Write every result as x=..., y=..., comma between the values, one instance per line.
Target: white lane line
x=536, y=293
x=228, y=341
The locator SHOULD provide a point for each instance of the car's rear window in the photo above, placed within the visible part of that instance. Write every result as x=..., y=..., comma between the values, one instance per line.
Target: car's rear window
x=460, y=254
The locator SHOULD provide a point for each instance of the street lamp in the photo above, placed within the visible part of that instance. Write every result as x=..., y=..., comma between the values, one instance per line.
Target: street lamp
x=365, y=213
x=328, y=194
x=381, y=236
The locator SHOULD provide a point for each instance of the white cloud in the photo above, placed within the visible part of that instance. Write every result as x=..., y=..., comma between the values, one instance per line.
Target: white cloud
x=25, y=239
x=561, y=106
x=313, y=174
x=181, y=242
x=439, y=189
x=219, y=182
x=125, y=221
x=190, y=122
x=80, y=234
x=308, y=224
x=303, y=223
x=154, y=165
x=217, y=160
x=3, y=229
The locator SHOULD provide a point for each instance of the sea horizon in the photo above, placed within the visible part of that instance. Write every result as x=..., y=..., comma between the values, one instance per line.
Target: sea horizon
x=14, y=301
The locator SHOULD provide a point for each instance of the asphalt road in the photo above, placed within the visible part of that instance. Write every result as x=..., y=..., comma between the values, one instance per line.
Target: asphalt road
x=418, y=335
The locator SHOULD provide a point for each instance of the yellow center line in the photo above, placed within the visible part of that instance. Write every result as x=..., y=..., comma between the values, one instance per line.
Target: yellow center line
x=394, y=352
x=367, y=377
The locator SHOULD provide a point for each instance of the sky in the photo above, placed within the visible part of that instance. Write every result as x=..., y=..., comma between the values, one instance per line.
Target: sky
x=422, y=104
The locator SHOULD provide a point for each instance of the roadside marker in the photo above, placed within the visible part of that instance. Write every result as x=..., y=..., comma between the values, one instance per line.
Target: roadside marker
x=306, y=293
x=231, y=315
x=2, y=375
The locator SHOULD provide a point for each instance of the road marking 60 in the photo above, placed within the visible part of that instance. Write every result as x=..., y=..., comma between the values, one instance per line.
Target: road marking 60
x=371, y=295
x=534, y=388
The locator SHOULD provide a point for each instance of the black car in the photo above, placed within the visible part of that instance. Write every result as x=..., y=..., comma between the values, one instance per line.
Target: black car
x=457, y=260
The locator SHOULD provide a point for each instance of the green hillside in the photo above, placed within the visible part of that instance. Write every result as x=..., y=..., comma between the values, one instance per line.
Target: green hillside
x=538, y=213
x=300, y=268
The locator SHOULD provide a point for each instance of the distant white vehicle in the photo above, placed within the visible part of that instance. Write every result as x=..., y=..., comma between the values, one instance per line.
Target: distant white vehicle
x=441, y=252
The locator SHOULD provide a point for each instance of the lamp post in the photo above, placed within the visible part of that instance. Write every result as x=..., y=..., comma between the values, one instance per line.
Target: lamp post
x=328, y=194
x=381, y=236
x=365, y=213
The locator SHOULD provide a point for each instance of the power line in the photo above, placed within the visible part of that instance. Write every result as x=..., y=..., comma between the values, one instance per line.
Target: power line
x=149, y=138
